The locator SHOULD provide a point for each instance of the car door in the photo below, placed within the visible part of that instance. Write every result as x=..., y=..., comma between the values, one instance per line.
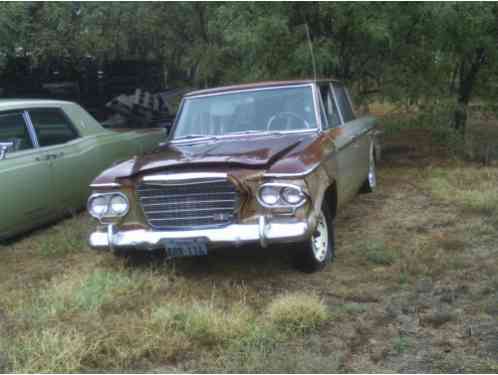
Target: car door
x=25, y=180
x=72, y=157
x=340, y=165
x=109, y=146
x=356, y=139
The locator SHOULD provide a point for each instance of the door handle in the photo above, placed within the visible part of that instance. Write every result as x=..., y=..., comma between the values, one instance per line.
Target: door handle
x=55, y=156
x=42, y=158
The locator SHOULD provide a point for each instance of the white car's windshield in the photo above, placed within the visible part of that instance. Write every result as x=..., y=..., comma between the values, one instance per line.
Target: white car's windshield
x=262, y=110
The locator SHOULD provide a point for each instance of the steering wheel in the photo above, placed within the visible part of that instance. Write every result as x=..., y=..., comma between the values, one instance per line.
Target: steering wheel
x=289, y=116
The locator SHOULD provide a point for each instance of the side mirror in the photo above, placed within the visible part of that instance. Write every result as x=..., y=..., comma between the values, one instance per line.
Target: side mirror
x=4, y=147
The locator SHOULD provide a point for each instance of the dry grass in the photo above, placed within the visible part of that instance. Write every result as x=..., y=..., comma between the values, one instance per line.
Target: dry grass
x=297, y=312
x=204, y=324
x=472, y=188
x=421, y=249
x=49, y=350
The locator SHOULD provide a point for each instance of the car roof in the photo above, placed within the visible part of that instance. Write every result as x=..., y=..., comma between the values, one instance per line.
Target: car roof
x=23, y=103
x=256, y=85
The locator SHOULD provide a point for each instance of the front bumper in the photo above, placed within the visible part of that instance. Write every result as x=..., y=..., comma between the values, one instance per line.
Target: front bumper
x=265, y=232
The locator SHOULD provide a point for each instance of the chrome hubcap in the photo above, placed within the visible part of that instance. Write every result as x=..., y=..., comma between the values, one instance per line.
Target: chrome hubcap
x=320, y=239
x=372, y=177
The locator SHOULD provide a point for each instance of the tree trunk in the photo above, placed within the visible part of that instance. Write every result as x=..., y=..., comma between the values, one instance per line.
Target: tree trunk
x=468, y=75
x=459, y=121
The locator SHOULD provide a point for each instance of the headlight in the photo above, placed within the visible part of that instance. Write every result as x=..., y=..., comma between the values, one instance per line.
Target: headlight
x=280, y=195
x=108, y=205
x=270, y=195
x=98, y=206
x=292, y=195
x=119, y=205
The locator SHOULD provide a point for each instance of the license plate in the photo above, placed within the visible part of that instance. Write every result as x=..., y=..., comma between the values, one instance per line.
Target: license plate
x=186, y=248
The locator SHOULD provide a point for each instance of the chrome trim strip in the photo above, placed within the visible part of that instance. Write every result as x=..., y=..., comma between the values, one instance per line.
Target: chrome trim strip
x=228, y=92
x=350, y=102
x=107, y=185
x=192, y=202
x=339, y=111
x=183, y=195
x=183, y=176
x=157, y=220
x=300, y=174
x=316, y=91
x=187, y=210
x=31, y=129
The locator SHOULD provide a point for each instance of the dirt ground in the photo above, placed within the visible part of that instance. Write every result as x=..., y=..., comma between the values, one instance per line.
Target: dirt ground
x=414, y=288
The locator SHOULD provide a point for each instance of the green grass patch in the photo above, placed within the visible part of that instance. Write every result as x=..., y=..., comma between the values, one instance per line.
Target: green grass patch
x=474, y=189
x=68, y=237
x=377, y=252
x=353, y=308
x=400, y=344
x=83, y=293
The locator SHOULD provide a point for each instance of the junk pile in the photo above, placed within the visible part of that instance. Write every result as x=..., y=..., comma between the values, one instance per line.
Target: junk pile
x=142, y=109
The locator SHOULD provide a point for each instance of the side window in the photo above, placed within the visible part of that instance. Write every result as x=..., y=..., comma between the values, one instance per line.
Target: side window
x=13, y=132
x=343, y=101
x=51, y=126
x=330, y=107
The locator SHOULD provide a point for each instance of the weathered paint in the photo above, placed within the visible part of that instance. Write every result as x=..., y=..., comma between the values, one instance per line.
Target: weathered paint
x=35, y=190
x=314, y=160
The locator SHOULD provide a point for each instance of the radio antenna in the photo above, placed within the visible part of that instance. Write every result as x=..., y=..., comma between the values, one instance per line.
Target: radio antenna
x=310, y=45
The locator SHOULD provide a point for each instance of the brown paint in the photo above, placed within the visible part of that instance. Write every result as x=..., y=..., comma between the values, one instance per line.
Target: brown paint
x=287, y=153
x=246, y=160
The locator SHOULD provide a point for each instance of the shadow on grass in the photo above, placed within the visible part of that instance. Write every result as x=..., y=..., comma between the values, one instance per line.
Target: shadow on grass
x=227, y=263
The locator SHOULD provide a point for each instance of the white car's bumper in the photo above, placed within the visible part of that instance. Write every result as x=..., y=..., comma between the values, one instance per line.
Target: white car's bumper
x=265, y=232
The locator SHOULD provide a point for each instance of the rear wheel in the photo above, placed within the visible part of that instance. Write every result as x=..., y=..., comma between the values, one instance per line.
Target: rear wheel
x=314, y=254
x=371, y=182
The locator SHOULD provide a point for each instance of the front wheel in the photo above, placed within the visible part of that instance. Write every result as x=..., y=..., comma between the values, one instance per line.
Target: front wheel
x=314, y=254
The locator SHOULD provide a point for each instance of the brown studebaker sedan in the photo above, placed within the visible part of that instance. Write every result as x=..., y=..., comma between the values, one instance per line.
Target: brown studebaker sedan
x=261, y=163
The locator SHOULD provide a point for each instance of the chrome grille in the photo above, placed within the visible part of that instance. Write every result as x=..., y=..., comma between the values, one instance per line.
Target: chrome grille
x=189, y=203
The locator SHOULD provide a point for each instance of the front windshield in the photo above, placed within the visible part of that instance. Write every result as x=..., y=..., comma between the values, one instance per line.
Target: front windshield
x=262, y=110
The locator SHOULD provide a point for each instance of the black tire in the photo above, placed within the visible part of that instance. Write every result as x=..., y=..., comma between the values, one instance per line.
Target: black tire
x=304, y=257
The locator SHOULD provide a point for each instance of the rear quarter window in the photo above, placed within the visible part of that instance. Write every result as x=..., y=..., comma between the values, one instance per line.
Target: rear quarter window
x=52, y=126
x=343, y=102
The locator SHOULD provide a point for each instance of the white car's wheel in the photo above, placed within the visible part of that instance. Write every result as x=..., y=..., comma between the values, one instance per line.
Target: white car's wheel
x=314, y=254
x=371, y=182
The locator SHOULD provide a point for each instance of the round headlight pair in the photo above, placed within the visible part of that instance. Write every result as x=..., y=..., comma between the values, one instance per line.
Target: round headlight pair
x=108, y=205
x=278, y=195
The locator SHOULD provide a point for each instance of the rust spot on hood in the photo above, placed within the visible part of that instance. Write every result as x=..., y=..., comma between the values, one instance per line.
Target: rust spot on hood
x=252, y=152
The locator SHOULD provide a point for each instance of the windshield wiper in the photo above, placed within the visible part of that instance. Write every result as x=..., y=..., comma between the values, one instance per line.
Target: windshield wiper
x=275, y=132
x=245, y=132
x=194, y=136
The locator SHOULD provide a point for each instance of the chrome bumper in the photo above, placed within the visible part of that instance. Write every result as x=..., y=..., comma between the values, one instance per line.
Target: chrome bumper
x=265, y=232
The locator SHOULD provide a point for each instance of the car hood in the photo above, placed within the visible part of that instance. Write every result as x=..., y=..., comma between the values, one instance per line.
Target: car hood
x=258, y=152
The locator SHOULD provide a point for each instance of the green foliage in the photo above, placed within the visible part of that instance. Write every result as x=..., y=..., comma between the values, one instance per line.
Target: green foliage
x=401, y=52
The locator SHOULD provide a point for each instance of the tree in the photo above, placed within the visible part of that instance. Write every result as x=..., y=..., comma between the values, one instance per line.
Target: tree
x=467, y=36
